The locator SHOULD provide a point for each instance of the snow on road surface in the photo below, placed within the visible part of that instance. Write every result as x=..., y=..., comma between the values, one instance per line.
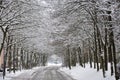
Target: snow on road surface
x=87, y=73
x=51, y=73
x=44, y=73
x=28, y=74
x=47, y=73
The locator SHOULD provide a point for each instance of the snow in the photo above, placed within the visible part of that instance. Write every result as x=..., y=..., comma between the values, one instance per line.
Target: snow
x=54, y=60
x=80, y=73
x=54, y=64
x=24, y=73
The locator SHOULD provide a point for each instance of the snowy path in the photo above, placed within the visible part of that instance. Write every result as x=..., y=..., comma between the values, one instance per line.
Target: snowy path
x=49, y=73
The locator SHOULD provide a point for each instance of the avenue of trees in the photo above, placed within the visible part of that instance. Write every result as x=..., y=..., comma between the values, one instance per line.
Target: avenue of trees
x=79, y=31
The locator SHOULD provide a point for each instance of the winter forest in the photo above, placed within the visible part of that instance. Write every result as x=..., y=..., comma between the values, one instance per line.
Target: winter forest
x=82, y=33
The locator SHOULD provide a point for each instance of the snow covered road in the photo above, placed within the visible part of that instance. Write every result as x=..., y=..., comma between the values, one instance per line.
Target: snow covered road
x=48, y=73
x=51, y=73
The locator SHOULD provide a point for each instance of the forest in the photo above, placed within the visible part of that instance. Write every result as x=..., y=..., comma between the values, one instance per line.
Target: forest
x=79, y=31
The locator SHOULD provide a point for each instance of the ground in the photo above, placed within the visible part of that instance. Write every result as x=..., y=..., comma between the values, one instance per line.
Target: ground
x=87, y=73
x=56, y=72
x=51, y=73
x=41, y=73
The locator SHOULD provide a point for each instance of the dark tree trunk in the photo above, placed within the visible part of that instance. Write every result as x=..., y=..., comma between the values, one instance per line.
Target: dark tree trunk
x=73, y=57
x=110, y=58
x=80, y=57
x=90, y=55
x=84, y=61
x=22, y=61
x=5, y=57
x=68, y=57
x=105, y=51
x=3, y=41
x=103, y=68
x=17, y=62
x=10, y=56
x=14, y=60
x=112, y=42
x=27, y=62
x=96, y=51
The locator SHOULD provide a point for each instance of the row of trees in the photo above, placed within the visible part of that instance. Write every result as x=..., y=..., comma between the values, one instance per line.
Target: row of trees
x=21, y=37
x=91, y=33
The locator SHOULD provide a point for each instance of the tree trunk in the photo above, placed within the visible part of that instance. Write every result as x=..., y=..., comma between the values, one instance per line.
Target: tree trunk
x=22, y=61
x=90, y=55
x=80, y=57
x=112, y=43
x=3, y=42
x=17, y=61
x=73, y=57
x=14, y=60
x=5, y=57
x=10, y=56
x=105, y=51
x=96, y=51
x=110, y=58
x=68, y=57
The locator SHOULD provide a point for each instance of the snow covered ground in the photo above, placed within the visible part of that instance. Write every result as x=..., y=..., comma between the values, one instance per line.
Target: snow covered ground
x=87, y=73
x=24, y=73
x=77, y=73
x=9, y=76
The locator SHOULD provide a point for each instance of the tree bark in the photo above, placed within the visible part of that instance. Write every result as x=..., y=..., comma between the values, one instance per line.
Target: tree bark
x=80, y=57
x=5, y=57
